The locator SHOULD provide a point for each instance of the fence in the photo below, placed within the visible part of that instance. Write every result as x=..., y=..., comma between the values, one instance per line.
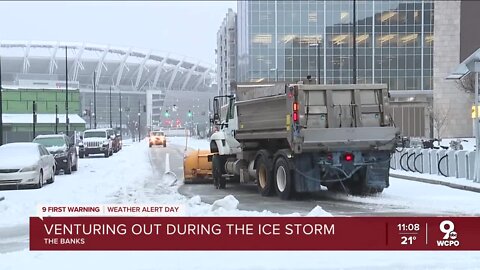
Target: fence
x=449, y=163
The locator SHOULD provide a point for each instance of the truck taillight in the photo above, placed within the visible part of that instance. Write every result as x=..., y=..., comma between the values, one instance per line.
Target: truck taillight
x=348, y=156
x=295, y=111
x=295, y=116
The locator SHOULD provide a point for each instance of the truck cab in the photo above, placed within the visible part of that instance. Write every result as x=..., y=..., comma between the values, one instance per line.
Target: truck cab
x=225, y=118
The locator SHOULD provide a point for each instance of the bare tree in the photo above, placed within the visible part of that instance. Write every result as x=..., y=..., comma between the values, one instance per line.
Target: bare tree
x=439, y=116
x=467, y=83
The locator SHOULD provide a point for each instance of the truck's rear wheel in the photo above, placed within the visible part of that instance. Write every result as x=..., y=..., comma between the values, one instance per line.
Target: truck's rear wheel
x=283, y=179
x=264, y=175
x=217, y=170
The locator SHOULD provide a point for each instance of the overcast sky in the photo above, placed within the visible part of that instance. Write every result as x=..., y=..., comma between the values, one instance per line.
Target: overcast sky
x=183, y=27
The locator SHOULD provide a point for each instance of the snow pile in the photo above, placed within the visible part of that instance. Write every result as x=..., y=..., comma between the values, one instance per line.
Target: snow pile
x=227, y=203
x=418, y=197
x=319, y=212
x=195, y=200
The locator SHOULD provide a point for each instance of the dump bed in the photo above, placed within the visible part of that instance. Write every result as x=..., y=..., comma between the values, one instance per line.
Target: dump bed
x=350, y=116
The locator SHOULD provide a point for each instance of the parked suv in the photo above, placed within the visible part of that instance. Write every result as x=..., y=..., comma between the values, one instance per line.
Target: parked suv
x=95, y=141
x=116, y=140
x=63, y=149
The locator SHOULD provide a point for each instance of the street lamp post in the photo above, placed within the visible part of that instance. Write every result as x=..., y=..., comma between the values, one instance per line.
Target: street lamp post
x=139, y=116
x=95, y=99
x=354, y=42
x=276, y=73
x=90, y=114
x=318, y=59
x=56, y=119
x=120, y=105
x=67, y=120
x=34, y=114
x=110, y=97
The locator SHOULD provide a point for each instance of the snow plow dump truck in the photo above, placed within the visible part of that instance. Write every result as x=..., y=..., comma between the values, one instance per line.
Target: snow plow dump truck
x=295, y=138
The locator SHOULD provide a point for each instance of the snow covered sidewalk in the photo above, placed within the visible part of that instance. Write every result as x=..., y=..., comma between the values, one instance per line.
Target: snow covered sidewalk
x=452, y=182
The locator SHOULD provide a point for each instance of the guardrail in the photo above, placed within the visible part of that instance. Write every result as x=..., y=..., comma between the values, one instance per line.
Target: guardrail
x=449, y=163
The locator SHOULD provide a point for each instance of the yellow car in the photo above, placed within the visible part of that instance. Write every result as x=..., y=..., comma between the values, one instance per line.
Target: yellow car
x=157, y=138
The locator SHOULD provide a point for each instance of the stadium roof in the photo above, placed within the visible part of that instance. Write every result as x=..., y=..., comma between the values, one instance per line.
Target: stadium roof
x=125, y=68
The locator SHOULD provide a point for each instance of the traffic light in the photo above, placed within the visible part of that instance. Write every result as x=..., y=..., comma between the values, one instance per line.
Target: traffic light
x=167, y=114
x=189, y=113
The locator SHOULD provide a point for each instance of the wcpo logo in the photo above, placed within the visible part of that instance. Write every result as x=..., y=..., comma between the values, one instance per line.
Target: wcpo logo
x=450, y=237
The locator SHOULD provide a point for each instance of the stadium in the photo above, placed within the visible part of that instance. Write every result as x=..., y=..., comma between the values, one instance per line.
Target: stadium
x=140, y=84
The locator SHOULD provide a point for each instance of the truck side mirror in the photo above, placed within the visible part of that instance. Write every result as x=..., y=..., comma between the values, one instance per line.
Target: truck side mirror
x=216, y=110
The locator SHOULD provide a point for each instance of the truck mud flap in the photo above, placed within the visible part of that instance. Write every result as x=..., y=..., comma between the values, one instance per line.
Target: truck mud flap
x=307, y=175
x=377, y=175
x=304, y=184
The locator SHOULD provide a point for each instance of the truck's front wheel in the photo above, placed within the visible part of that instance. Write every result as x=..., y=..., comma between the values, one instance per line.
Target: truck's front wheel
x=283, y=179
x=264, y=175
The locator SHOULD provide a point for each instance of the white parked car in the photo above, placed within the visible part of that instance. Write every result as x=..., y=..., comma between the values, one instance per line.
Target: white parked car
x=95, y=141
x=26, y=164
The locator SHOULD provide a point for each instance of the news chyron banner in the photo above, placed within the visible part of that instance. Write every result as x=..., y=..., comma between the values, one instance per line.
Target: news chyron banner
x=165, y=227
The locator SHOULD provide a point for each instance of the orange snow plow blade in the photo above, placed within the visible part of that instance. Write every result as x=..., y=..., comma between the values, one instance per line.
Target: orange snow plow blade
x=197, y=166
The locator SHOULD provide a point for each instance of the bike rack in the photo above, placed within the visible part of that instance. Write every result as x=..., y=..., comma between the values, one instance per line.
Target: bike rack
x=439, y=167
x=408, y=159
x=401, y=158
x=415, y=162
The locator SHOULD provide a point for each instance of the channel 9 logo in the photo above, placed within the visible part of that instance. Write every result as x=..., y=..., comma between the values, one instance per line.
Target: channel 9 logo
x=450, y=235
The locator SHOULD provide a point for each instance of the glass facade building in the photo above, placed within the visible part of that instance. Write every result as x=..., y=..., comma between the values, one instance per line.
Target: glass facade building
x=288, y=40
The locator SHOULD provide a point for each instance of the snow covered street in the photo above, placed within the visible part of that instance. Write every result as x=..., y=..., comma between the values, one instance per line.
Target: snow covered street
x=136, y=175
